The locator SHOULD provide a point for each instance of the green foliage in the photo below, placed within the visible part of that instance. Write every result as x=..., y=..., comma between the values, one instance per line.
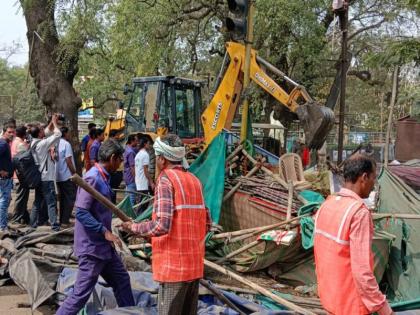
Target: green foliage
x=19, y=100
x=115, y=40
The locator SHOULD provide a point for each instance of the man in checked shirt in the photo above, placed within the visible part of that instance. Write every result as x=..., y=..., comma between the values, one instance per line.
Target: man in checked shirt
x=179, y=224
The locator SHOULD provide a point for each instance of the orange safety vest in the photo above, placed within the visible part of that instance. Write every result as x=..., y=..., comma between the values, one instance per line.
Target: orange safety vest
x=336, y=286
x=179, y=255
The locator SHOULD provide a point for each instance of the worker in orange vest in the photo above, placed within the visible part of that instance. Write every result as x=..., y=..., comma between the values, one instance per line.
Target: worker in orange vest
x=179, y=224
x=342, y=246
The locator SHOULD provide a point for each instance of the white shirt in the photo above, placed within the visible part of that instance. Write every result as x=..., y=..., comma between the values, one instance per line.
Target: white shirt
x=142, y=159
x=64, y=151
x=277, y=134
x=42, y=155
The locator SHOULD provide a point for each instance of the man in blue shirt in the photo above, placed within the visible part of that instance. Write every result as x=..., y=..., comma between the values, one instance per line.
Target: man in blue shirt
x=93, y=240
x=94, y=149
x=65, y=168
x=6, y=173
x=129, y=170
x=86, y=138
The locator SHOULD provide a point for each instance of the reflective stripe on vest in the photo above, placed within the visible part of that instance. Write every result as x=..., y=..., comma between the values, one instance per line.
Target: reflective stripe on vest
x=337, y=238
x=200, y=207
x=179, y=185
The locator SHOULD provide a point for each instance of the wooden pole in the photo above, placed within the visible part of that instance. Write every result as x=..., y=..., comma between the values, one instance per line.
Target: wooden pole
x=344, y=18
x=289, y=201
x=236, y=187
x=234, y=152
x=262, y=230
x=408, y=216
x=216, y=291
x=391, y=111
x=99, y=197
x=247, y=69
x=258, y=288
x=256, y=230
x=239, y=251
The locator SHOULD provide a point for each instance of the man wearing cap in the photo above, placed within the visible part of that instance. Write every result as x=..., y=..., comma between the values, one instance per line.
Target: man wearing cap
x=178, y=229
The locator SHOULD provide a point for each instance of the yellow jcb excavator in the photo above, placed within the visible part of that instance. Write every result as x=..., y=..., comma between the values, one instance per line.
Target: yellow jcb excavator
x=170, y=104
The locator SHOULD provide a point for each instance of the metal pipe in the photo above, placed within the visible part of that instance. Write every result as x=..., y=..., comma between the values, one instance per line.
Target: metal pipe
x=277, y=71
x=343, y=24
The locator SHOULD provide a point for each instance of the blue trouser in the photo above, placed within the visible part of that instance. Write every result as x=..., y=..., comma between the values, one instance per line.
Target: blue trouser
x=90, y=268
x=6, y=185
x=45, y=191
x=131, y=187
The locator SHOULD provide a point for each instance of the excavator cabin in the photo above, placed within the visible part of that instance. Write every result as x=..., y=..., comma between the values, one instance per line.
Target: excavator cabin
x=160, y=104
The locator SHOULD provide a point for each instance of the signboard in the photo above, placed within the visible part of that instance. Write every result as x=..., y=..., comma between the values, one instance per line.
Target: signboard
x=86, y=111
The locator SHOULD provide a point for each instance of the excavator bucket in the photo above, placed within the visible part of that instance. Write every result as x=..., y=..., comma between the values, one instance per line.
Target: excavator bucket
x=317, y=121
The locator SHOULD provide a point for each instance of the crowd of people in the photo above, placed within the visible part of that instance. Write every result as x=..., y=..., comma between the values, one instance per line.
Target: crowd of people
x=52, y=152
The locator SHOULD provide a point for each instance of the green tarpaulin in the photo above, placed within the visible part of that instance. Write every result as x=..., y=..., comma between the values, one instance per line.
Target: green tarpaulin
x=209, y=167
x=403, y=272
x=126, y=206
x=307, y=224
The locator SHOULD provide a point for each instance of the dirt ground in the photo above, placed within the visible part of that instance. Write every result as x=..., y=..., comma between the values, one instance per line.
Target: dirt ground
x=13, y=300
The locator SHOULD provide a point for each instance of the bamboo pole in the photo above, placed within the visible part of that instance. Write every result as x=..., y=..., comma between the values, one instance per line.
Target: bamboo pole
x=216, y=291
x=99, y=197
x=409, y=216
x=245, y=236
x=258, y=288
x=234, y=153
x=266, y=170
x=130, y=192
x=275, y=176
x=239, y=251
x=254, y=243
x=255, y=229
x=391, y=111
x=289, y=201
x=236, y=187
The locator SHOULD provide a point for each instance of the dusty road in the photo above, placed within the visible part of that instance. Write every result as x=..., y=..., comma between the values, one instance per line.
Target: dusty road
x=13, y=300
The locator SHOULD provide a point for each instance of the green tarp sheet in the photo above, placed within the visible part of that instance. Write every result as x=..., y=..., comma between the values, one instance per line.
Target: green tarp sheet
x=307, y=224
x=209, y=167
x=403, y=272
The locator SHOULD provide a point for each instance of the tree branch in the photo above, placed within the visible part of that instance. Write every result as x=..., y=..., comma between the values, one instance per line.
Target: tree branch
x=361, y=30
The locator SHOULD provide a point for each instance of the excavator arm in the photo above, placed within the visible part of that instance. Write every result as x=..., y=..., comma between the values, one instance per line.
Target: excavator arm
x=316, y=120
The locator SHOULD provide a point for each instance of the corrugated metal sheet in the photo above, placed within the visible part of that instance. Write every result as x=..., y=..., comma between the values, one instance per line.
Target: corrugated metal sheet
x=407, y=144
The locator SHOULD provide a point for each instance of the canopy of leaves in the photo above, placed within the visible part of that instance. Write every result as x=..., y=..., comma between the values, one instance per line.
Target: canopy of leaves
x=117, y=40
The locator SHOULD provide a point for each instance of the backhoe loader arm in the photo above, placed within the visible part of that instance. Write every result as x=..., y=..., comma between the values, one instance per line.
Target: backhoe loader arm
x=316, y=120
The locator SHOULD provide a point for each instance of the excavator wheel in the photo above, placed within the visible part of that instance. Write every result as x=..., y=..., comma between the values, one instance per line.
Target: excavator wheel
x=317, y=121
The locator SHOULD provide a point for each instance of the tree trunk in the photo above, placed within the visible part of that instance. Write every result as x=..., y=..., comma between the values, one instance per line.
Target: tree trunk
x=391, y=110
x=52, y=75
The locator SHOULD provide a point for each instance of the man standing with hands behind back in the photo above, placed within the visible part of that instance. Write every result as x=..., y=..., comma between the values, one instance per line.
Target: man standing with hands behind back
x=343, y=246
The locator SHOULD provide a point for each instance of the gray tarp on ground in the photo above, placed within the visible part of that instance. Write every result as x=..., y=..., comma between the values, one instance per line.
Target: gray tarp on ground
x=36, y=269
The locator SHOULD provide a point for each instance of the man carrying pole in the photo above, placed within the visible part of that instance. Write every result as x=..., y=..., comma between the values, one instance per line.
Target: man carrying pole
x=178, y=229
x=93, y=240
x=342, y=246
